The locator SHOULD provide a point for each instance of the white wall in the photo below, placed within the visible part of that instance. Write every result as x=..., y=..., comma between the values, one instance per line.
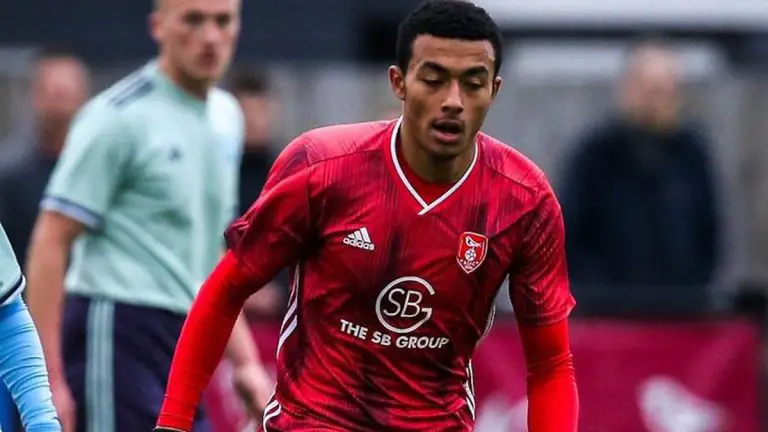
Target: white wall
x=747, y=14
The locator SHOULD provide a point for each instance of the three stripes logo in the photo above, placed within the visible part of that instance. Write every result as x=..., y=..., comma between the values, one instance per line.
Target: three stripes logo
x=360, y=239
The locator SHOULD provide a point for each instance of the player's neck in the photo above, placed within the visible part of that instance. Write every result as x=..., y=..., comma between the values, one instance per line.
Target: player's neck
x=196, y=88
x=429, y=168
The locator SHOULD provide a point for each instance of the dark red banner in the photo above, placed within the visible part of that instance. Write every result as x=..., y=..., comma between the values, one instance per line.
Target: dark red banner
x=633, y=377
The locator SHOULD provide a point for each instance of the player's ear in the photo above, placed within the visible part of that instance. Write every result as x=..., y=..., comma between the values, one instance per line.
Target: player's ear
x=155, y=29
x=397, y=81
x=497, y=83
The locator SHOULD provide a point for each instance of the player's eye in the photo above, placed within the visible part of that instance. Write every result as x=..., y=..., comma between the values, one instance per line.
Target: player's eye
x=432, y=82
x=223, y=20
x=474, y=85
x=194, y=19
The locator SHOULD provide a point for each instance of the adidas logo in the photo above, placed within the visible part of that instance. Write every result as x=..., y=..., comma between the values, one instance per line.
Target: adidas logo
x=360, y=239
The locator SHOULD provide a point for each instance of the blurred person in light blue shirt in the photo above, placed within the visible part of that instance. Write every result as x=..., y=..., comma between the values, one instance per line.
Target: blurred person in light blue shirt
x=137, y=205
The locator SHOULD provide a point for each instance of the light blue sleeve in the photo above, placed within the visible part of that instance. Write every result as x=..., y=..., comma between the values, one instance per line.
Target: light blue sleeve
x=236, y=157
x=91, y=166
x=11, y=279
x=23, y=370
x=230, y=119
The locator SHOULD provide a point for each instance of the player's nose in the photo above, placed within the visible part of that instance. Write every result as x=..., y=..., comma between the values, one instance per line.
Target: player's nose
x=211, y=32
x=453, y=103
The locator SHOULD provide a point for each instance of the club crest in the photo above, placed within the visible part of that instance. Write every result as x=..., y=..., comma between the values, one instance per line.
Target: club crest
x=473, y=248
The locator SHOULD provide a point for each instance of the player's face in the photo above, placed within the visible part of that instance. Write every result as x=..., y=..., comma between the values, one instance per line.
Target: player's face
x=447, y=91
x=59, y=90
x=259, y=112
x=198, y=36
x=652, y=91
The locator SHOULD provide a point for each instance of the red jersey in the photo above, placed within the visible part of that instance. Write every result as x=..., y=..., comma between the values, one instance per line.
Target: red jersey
x=391, y=294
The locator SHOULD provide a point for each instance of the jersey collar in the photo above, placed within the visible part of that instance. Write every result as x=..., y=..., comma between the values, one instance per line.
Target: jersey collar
x=425, y=207
x=164, y=82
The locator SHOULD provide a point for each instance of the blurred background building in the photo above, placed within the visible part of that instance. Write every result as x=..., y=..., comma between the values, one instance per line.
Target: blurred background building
x=649, y=117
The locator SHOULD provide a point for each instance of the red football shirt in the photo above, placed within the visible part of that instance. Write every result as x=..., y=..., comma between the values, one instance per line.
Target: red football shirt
x=392, y=293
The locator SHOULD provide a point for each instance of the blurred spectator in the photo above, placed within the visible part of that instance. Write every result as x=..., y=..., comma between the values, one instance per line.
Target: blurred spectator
x=753, y=183
x=639, y=200
x=60, y=85
x=254, y=93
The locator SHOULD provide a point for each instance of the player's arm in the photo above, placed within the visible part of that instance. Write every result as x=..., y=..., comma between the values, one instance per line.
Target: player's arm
x=241, y=350
x=269, y=237
x=22, y=368
x=541, y=297
x=78, y=195
x=47, y=264
x=250, y=378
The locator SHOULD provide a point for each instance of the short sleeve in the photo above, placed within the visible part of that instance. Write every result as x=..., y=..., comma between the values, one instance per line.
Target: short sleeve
x=11, y=279
x=91, y=166
x=277, y=228
x=235, y=142
x=237, y=155
x=538, y=282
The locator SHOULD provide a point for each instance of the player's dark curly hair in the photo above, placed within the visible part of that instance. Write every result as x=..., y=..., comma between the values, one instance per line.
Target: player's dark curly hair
x=450, y=19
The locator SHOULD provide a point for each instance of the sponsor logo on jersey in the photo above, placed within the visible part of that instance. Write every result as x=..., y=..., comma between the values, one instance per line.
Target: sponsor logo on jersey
x=360, y=239
x=400, y=305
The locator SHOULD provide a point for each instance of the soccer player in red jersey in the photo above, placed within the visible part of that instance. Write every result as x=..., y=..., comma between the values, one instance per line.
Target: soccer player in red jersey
x=399, y=235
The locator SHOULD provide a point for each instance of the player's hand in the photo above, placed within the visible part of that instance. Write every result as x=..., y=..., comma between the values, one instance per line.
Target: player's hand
x=65, y=404
x=254, y=387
